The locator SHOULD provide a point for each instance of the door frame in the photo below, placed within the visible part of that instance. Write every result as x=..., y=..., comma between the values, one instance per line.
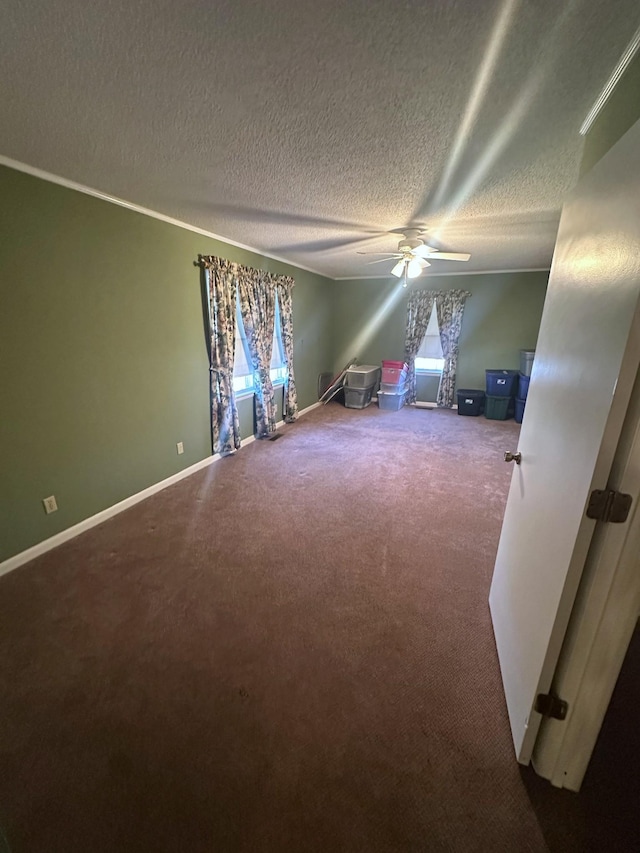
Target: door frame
x=602, y=623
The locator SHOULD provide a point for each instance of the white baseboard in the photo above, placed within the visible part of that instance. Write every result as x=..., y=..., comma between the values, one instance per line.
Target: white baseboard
x=76, y=529
x=310, y=408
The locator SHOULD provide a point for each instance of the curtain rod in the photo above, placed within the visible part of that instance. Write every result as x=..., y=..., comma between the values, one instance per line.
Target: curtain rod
x=282, y=278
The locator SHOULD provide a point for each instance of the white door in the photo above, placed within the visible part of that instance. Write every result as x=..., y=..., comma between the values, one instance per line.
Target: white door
x=585, y=364
x=602, y=624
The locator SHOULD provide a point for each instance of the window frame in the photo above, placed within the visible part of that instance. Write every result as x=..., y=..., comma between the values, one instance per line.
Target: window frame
x=243, y=382
x=431, y=370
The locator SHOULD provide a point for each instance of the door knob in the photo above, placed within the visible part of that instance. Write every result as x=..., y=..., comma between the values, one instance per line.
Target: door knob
x=513, y=457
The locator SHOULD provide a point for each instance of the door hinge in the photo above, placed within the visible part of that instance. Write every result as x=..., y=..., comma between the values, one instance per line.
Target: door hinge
x=607, y=505
x=550, y=706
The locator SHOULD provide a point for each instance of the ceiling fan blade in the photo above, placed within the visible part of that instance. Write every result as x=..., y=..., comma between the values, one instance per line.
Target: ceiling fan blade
x=399, y=268
x=379, y=261
x=386, y=254
x=424, y=251
x=450, y=256
x=415, y=266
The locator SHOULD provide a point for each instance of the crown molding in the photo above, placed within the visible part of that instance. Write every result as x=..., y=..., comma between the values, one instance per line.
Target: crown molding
x=443, y=274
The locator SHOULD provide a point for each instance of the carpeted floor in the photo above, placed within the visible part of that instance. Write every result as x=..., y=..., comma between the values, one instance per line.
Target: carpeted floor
x=288, y=651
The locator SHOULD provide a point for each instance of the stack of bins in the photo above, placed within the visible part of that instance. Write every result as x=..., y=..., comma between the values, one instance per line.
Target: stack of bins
x=359, y=384
x=501, y=392
x=393, y=385
x=526, y=365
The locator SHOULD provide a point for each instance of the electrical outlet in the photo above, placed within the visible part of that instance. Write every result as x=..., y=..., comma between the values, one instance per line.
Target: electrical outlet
x=50, y=505
x=180, y=447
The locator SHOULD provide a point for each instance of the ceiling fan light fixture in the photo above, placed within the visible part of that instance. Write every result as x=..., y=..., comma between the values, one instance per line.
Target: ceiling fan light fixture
x=413, y=268
x=398, y=269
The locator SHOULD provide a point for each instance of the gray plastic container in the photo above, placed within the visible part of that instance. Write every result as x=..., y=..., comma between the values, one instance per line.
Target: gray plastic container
x=357, y=398
x=526, y=361
x=362, y=376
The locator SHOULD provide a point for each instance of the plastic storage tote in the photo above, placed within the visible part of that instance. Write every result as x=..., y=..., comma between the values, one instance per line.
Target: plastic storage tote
x=396, y=364
x=523, y=386
x=519, y=412
x=501, y=383
x=390, y=401
x=362, y=376
x=394, y=375
x=526, y=361
x=470, y=402
x=357, y=398
x=496, y=408
x=393, y=387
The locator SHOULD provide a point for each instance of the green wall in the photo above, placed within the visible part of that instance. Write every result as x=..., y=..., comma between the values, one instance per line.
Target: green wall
x=621, y=111
x=103, y=359
x=501, y=317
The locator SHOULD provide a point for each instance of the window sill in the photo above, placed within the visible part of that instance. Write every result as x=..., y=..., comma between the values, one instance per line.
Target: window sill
x=249, y=392
x=246, y=392
x=428, y=372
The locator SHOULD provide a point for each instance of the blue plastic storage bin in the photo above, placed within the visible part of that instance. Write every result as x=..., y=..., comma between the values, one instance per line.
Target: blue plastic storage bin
x=519, y=412
x=523, y=386
x=501, y=383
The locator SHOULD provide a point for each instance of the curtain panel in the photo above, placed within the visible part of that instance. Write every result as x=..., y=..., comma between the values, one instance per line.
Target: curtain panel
x=222, y=281
x=284, y=286
x=258, y=309
x=257, y=295
x=450, y=309
x=419, y=310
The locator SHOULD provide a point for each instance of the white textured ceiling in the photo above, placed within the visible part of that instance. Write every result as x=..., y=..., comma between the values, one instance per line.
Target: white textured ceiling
x=309, y=129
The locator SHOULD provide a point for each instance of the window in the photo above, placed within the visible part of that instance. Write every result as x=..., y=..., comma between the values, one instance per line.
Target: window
x=242, y=371
x=430, y=357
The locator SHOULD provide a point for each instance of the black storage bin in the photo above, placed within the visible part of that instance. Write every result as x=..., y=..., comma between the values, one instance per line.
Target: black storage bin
x=470, y=402
x=519, y=411
x=523, y=386
x=501, y=383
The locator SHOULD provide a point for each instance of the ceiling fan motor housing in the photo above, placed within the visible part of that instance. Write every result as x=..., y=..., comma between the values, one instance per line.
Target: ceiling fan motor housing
x=410, y=241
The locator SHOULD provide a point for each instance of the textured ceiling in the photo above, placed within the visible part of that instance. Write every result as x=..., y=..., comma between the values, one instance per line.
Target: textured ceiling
x=310, y=129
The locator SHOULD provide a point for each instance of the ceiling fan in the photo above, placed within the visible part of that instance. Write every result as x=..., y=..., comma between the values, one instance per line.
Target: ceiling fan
x=412, y=255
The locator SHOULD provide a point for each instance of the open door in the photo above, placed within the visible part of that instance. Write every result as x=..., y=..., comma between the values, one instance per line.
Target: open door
x=587, y=357
x=601, y=628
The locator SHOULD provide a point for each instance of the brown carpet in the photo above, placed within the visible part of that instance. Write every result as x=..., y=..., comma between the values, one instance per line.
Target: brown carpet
x=288, y=651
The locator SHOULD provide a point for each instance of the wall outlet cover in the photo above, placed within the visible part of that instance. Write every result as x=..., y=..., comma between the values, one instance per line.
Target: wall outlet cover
x=50, y=504
x=180, y=447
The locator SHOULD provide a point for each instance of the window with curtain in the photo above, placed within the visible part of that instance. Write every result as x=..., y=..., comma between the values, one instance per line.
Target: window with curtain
x=242, y=372
x=430, y=358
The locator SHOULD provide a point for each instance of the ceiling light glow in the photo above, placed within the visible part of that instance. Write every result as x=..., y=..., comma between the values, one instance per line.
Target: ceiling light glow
x=413, y=268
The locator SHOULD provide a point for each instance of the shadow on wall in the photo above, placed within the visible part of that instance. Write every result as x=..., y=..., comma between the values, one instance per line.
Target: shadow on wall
x=378, y=311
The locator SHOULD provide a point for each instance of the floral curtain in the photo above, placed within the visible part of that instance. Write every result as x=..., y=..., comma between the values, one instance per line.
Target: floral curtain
x=222, y=280
x=450, y=308
x=284, y=285
x=258, y=307
x=418, y=314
